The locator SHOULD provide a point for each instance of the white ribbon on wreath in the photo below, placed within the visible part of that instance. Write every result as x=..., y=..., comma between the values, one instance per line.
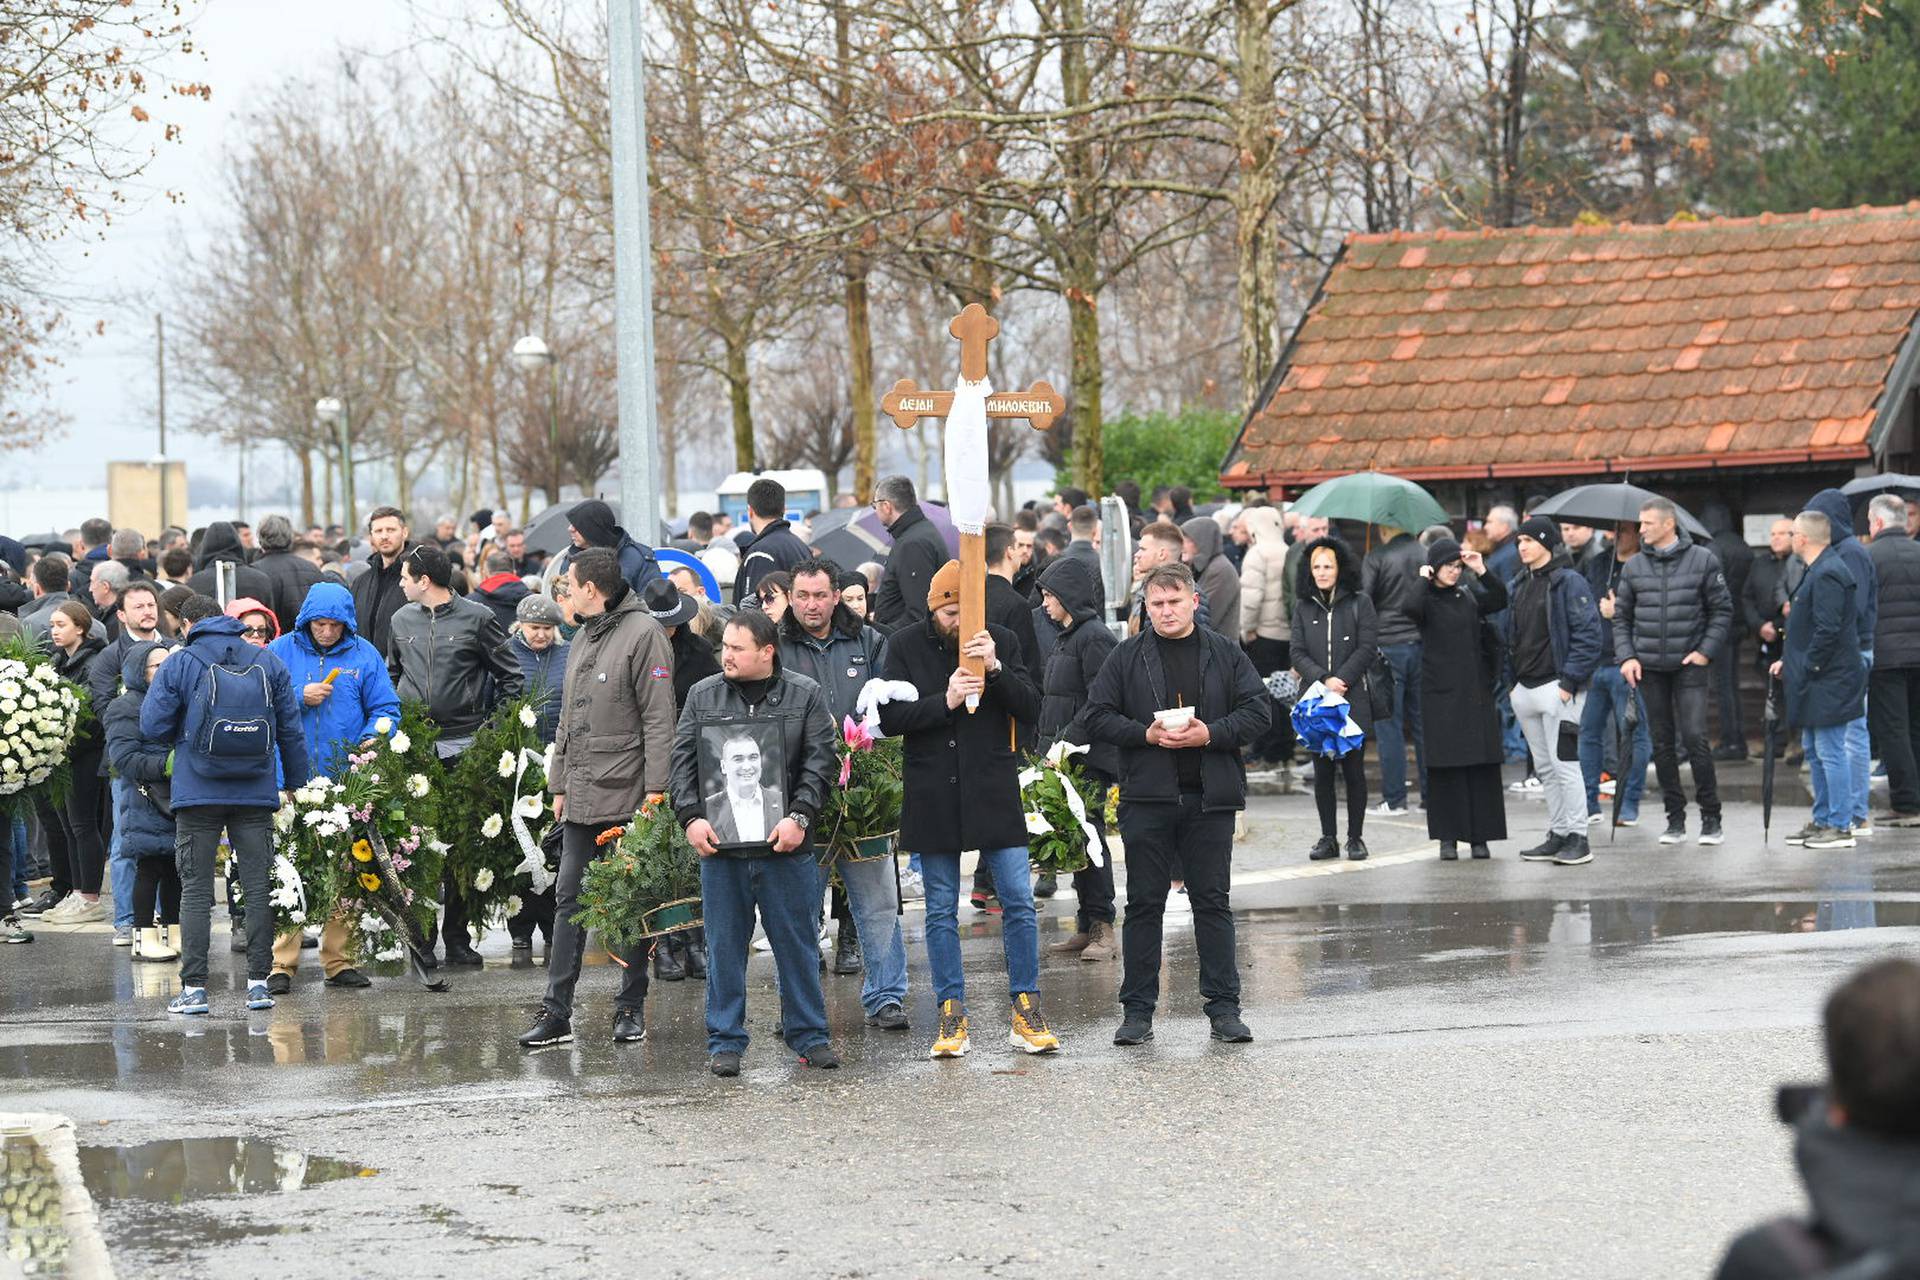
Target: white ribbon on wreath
x=532, y=860
x=1058, y=755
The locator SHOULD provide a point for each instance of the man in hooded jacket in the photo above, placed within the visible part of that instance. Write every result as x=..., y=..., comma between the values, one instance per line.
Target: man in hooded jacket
x=592, y=524
x=344, y=692
x=1850, y=551
x=221, y=547
x=1218, y=581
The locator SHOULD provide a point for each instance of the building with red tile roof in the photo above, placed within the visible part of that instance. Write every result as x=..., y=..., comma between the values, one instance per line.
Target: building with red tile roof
x=1751, y=359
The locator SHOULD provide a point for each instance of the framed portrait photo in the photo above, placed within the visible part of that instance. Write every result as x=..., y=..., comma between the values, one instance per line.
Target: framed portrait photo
x=743, y=782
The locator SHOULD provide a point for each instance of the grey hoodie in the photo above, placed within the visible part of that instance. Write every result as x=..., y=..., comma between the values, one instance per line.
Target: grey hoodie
x=1218, y=581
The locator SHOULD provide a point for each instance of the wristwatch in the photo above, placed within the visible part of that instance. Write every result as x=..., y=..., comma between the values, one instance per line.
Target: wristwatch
x=799, y=820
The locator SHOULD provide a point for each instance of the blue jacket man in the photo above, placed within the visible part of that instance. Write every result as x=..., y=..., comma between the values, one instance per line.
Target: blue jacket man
x=205, y=805
x=1850, y=551
x=1556, y=650
x=1825, y=675
x=342, y=717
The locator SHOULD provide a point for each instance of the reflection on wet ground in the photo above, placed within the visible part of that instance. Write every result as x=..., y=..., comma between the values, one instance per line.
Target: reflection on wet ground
x=177, y=1170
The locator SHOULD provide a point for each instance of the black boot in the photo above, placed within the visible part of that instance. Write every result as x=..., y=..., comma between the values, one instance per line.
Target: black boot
x=846, y=951
x=667, y=965
x=1481, y=851
x=1326, y=847
x=1449, y=851
x=696, y=953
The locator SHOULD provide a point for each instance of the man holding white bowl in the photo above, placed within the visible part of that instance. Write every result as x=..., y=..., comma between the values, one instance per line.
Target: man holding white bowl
x=1180, y=701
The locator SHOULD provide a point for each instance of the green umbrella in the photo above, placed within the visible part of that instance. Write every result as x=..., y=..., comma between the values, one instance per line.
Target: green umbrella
x=1374, y=497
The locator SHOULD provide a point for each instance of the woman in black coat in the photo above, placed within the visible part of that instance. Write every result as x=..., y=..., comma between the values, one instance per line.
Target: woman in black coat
x=1460, y=728
x=1335, y=642
x=148, y=831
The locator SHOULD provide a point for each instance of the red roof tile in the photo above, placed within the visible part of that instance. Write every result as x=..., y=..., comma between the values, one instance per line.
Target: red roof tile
x=1538, y=351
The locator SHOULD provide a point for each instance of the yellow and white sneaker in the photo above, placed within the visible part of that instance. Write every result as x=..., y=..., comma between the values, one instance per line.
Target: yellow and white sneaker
x=951, y=1040
x=1030, y=1033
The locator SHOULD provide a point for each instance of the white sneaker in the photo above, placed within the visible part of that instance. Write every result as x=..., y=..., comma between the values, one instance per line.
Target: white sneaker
x=59, y=911
x=1527, y=787
x=1864, y=827
x=1385, y=810
x=86, y=913
x=1608, y=787
x=1595, y=819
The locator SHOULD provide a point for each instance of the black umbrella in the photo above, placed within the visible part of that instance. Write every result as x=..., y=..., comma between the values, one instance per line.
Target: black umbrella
x=840, y=537
x=1769, y=720
x=1864, y=490
x=1623, y=753
x=1604, y=505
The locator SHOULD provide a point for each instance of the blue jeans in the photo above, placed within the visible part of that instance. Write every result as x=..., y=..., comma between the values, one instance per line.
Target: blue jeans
x=18, y=858
x=1392, y=734
x=786, y=890
x=1832, y=777
x=870, y=893
x=124, y=865
x=1019, y=932
x=1605, y=720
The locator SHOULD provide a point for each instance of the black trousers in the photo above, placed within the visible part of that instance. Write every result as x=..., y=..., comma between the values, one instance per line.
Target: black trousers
x=1094, y=886
x=1726, y=694
x=1352, y=769
x=156, y=875
x=536, y=912
x=1162, y=840
x=577, y=849
x=1268, y=657
x=59, y=860
x=1677, y=715
x=1893, y=712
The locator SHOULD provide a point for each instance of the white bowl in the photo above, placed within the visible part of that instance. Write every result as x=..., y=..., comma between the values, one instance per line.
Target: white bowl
x=1174, y=719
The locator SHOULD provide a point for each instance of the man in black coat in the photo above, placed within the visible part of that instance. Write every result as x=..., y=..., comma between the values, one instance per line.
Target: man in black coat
x=1893, y=696
x=1071, y=595
x=376, y=593
x=1181, y=782
x=291, y=575
x=1736, y=561
x=220, y=548
x=919, y=549
x=774, y=546
x=962, y=791
x=1390, y=577
x=1770, y=584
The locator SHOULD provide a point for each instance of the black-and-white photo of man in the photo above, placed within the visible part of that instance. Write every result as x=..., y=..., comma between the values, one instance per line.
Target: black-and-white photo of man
x=743, y=811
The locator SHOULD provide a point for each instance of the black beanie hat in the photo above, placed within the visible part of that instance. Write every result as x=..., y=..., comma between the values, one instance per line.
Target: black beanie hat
x=1541, y=530
x=1443, y=551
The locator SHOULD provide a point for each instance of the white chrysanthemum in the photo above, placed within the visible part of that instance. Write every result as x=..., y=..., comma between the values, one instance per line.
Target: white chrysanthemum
x=384, y=725
x=527, y=717
x=418, y=786
x=506, y=764
x=491, y=827
x=483, y=879
x=401, y=744
x=297, y=917
x=514, y=904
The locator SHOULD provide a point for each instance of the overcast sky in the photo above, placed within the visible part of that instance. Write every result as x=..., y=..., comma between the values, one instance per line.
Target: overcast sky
x=106, y=386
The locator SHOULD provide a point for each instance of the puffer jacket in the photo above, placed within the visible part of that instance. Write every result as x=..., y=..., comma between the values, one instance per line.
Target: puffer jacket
x=1233, y=703
x=362, y=692
x=1336, y=634
x=89, y=744
x=1390, y=577
x=1079, y=652
x=164, y=716
x=144, y=830
x=841, y=664
x=807, y=738
x=1218, y=581
x=545, y=673
x=1896, y=570
x=1838, y=509
x=1669, y=603
x=502, y=593
x=616, y=721
x=454, y=659
x=1263, y=576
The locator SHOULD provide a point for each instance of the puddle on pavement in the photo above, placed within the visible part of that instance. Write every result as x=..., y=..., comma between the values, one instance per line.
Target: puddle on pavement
x=177, y=1170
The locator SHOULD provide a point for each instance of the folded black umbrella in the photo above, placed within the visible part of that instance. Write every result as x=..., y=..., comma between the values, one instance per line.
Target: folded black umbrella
x=1604, y=505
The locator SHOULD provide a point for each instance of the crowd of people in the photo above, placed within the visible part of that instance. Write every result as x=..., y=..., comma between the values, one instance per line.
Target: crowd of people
x=1599, y=649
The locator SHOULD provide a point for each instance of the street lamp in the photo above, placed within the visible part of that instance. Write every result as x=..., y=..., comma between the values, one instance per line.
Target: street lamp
x=529, y=354
x=333, y=412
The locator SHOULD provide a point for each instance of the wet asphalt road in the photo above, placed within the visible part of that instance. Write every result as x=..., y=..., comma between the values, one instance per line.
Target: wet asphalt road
x=1493, y=1069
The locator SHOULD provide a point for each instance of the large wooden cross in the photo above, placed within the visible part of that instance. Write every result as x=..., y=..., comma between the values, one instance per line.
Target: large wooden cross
x=906, y=404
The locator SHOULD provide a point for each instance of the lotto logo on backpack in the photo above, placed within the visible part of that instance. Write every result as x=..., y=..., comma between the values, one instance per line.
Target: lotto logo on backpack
x=233, y=733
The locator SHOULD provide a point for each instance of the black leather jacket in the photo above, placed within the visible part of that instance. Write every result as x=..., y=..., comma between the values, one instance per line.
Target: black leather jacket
x=806, y=733
x=456, y=660
x=1390, y=577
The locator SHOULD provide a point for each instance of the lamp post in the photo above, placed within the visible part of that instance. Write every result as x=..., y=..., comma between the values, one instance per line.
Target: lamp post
x=333, y=412
x=529, y=355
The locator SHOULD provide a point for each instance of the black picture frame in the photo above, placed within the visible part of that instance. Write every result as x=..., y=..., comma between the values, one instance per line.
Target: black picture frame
x=727, y=764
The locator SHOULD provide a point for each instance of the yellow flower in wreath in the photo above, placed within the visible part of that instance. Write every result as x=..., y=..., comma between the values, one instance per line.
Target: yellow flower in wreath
x=370, y=882
x=362, y=851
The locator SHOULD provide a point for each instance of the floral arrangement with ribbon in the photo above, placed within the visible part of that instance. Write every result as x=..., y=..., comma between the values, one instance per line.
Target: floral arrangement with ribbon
x=1057, y=795
x=648, y=884
x=865, y=801
x=496, y=801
